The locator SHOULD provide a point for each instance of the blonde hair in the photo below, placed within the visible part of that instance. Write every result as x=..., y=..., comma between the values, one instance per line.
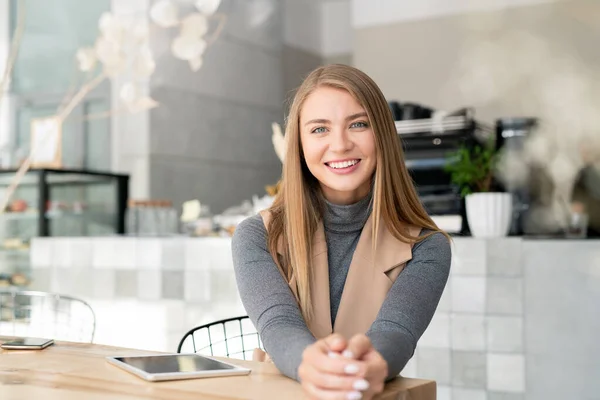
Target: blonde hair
x=296, y=211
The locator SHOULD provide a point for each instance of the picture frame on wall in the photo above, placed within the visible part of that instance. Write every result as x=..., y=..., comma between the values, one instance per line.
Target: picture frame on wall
x=46, y=142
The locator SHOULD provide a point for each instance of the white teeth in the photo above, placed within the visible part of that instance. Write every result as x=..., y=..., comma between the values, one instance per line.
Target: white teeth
x=343, y=164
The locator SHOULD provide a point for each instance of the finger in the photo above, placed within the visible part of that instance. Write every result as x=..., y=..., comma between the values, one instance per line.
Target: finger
x=321, y=361
x=358, y=346
x=336, y=342
x=324, y=394
x=321, y=380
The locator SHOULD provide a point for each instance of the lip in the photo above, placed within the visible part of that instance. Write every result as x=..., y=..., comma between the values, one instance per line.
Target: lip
x=344, y=171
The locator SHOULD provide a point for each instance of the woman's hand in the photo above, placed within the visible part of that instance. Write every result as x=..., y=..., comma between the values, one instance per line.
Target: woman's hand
x=360, y=348
x=334, y=368
x=327, y=375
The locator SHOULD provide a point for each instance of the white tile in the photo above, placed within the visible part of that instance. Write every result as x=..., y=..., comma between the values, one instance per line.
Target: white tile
x=149, y=285
x=197, y=255
x=506, y=373
x=173, y=253
x=104, y=284
x=468, y=394
x=468, y=294
x=469, y=257
x=505, y=334
x=410, y=370
x=468, y=332
x=72, y=252
x=444, y=392
x=437, y=334
x=505, y=296
x=114, y=253
x=40, y=253
x=148, y=253
x=196, y=286
x=434, y=364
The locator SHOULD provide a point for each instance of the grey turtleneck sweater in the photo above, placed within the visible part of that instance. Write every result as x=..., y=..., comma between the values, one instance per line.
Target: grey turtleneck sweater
x=402, y=319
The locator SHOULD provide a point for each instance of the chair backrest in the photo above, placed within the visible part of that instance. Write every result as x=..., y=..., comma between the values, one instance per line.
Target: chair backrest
x=47, y=315
x=233, y=337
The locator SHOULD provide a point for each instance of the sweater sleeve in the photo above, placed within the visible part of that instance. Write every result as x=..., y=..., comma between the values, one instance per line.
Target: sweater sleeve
x=267, y=298
x=411, y=302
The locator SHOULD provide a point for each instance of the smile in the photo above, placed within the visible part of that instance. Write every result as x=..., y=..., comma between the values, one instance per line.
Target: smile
x=343, y=166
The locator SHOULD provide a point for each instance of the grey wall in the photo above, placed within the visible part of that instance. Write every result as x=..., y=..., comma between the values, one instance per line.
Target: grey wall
x=211, y=137
x=491, y=60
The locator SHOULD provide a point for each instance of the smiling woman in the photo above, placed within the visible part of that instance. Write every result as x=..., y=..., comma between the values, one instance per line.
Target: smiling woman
x=343, y=273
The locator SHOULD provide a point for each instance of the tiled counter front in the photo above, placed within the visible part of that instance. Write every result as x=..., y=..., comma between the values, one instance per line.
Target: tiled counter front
x=518, y=320
x=146, y=292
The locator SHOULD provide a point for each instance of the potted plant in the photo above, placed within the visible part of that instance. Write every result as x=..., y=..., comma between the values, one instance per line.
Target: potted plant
x=489, y=213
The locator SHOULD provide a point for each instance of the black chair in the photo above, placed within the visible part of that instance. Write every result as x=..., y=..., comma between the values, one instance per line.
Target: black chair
x=233, y=337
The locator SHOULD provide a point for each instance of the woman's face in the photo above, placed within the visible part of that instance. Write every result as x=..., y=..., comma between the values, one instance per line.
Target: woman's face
x=338, y=144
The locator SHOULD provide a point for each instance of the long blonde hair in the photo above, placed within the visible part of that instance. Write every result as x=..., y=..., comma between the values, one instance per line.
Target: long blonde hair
x=297, y=209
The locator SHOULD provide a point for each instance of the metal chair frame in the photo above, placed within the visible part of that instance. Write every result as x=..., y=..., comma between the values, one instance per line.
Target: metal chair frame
x=15, y=294
x=222, y=322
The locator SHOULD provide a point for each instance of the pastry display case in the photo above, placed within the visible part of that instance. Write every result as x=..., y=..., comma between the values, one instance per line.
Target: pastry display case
x=56, y=202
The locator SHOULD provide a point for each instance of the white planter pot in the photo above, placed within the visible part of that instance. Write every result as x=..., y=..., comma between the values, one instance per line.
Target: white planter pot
x=489, y=214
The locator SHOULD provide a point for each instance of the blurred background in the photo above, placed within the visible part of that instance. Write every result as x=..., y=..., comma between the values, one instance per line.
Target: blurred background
x=136, y=134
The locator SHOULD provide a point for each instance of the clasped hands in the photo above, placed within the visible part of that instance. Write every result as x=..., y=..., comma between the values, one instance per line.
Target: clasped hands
x=335, y=368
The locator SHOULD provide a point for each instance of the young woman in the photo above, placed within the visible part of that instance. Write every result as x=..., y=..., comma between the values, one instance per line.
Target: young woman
x=343, y=273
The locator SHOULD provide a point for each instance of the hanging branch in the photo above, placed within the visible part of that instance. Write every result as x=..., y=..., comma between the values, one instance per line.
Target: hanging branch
x=14, y=47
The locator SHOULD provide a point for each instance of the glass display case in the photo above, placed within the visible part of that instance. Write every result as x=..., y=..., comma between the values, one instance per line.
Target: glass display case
x=56, y=202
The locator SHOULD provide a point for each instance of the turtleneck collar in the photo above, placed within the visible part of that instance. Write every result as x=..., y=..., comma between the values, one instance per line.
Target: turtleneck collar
x=347, y=218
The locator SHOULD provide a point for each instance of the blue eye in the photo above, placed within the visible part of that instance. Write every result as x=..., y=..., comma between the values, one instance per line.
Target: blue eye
x=320, y=129
x=359, y=124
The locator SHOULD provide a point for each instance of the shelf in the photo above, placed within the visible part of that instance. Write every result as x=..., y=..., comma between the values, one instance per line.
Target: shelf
x=33, y=215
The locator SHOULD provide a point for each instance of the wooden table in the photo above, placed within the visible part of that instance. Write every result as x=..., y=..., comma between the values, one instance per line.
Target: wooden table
x=76, y=371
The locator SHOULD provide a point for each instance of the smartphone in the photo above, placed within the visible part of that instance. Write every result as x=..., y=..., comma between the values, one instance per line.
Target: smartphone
x=27, y=344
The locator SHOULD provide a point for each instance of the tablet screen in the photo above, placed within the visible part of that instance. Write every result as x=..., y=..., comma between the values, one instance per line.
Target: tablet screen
x=174, y=363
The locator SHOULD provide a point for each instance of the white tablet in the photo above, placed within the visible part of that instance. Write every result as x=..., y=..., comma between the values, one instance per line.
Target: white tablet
x=166, y=367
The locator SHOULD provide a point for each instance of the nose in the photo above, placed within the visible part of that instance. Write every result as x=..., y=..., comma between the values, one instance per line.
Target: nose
x=340, y=141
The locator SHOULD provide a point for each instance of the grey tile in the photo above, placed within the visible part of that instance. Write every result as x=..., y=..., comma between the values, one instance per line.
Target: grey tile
x=548, y=377
x=104, y=284
x=505, y=296
x=437, y=334
x=506, y=372
x=433, y=364
x=197, y=286
x=468, y=294
x=126, y=283
x=505, y=334
x=172, y=285
x=505, y=396
x=444, y=392
x=445, y=304
x=41, y=279
x=223, y=287
x=468, y=332
x=504, y=257
x=232, y=70
x=149, y=285
x=468, y=394
x=469, y=369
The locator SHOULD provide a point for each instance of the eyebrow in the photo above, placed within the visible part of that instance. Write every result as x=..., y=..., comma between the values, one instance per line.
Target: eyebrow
x=326, y=121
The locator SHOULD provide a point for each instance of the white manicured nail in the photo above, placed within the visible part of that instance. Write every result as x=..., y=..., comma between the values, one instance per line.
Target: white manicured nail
x=351, y=369
x=348, y=354
x=354, y=396
x=333, y=354
x=361, y=385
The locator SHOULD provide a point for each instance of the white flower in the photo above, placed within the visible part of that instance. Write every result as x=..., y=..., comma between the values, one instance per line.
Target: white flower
x=86, y=57
x=129, y=92
x=194, y=25
x=208, y=7
x=141, y=30
x=143, y=64
x=111, y=27
x=164, y=13
x=110, y=55
x=187, y=48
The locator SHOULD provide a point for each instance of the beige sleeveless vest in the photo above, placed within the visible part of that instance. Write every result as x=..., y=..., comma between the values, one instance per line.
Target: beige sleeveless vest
x=366, y=286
